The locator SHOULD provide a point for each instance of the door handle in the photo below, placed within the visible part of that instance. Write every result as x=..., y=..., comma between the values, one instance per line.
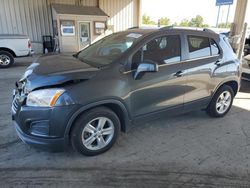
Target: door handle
x=178, y=74
x=218, y=62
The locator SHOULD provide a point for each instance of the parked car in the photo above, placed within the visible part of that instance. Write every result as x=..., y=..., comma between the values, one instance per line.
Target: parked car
x=12, y=46
x=130, y=76
x=247, y=46
x=246, y=68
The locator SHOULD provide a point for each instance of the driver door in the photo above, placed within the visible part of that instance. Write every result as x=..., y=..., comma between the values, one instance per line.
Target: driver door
x=162, y=90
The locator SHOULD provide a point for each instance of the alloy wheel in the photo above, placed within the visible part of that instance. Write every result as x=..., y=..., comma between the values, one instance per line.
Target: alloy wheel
x=4, y=60
x=223, y=102
x=98, y=133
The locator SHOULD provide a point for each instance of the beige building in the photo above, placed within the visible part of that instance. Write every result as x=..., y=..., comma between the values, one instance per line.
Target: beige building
x=83, y=21
x=77, y=26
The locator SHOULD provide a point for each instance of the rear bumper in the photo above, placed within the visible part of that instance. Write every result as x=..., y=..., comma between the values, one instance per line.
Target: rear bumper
x=51, y=144
x=26, y=53
x=31, y=52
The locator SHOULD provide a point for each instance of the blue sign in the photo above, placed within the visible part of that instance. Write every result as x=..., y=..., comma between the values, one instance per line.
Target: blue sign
x=224, y=2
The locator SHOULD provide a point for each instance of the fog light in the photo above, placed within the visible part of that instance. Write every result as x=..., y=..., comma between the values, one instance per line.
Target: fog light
x=39, y=128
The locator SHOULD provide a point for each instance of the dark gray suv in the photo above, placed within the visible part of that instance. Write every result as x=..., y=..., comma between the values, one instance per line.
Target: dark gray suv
x=87, y=99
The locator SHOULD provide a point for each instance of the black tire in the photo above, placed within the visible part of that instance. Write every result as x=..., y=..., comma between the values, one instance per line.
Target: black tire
x=81, y=123
x=211, y=109
x=7, y=55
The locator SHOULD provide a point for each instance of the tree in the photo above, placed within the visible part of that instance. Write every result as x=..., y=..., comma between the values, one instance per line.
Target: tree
x=205, y=25
x=147, y=20
x=184, y=23
x=196, y=22
x=224, y=25
x=164, y=21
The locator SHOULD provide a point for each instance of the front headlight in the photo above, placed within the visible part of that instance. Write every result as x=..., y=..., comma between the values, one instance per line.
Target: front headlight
x=44, y=97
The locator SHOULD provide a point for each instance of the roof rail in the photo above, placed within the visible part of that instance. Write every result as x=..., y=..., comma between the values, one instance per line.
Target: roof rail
x=208, y=30
x=136, y=27
x=167, y=27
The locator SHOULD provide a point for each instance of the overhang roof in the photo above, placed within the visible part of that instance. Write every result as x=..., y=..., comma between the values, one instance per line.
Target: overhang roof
x=78, y=10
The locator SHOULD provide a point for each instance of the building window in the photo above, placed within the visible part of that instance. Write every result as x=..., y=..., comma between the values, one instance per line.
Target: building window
x=99, y=28
x=67, y=28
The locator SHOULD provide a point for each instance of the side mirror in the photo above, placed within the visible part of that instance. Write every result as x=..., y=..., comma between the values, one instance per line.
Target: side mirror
x=145, y=66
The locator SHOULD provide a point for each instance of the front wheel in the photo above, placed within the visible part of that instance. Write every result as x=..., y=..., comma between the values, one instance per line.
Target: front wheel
x=221, y=102
x=95, y=131
x=6, y=59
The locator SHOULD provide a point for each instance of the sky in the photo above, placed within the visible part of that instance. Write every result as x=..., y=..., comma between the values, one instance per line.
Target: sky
x=176, y=10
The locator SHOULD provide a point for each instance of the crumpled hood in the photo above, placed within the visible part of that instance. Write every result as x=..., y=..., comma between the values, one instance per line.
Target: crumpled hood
x=56, y=69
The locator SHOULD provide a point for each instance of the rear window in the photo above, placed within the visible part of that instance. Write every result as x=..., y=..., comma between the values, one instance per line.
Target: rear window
x=198, y=47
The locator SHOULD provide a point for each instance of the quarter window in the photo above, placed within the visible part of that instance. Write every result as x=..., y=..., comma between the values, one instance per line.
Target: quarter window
x=214, y=48
x=161, y=50
x=198, y=46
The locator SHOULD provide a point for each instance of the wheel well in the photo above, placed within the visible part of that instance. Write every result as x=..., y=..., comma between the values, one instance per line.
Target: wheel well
x=114, y=107
x=8, y=50
x=233, y=85
x=119, y=112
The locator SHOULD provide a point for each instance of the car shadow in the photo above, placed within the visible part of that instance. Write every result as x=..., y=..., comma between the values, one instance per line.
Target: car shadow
x=245, y=86
x=24, y=61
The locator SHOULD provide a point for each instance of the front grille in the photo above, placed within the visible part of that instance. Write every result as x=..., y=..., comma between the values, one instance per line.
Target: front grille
x=15, y=105
x=19, y=96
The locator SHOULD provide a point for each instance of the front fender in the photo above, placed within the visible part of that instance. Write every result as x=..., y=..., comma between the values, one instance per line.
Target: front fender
x=126, y=116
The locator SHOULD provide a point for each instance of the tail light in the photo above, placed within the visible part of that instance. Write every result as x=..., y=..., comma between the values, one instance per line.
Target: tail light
x=29, y=44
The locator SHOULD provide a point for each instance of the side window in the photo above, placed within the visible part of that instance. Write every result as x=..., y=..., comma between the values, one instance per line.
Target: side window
x=161, y=50
x=214, y=47
x=198, y=46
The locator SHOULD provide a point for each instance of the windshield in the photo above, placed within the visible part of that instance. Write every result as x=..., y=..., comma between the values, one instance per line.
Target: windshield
x=108, y=49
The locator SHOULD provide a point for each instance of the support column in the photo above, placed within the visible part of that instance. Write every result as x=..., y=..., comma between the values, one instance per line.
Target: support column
x=139, y=13
x=238, y=23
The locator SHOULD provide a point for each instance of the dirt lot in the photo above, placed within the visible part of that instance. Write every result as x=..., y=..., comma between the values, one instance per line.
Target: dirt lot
x=191, y=150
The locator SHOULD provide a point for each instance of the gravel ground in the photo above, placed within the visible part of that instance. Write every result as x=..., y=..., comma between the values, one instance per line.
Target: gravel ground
x=189, y=150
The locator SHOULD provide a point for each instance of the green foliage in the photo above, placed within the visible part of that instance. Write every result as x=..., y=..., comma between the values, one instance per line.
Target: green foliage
x=196, y=22
x=184, y=23
x=205, y=25
x=164, y=21
x=224, y=25
x=147, y=20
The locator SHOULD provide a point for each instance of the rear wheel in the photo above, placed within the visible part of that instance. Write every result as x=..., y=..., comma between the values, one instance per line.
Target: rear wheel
x=6, y=59
x=95, y=131
x=221, y=102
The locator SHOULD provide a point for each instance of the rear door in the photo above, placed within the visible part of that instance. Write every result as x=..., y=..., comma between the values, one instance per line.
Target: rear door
x=203, y=57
